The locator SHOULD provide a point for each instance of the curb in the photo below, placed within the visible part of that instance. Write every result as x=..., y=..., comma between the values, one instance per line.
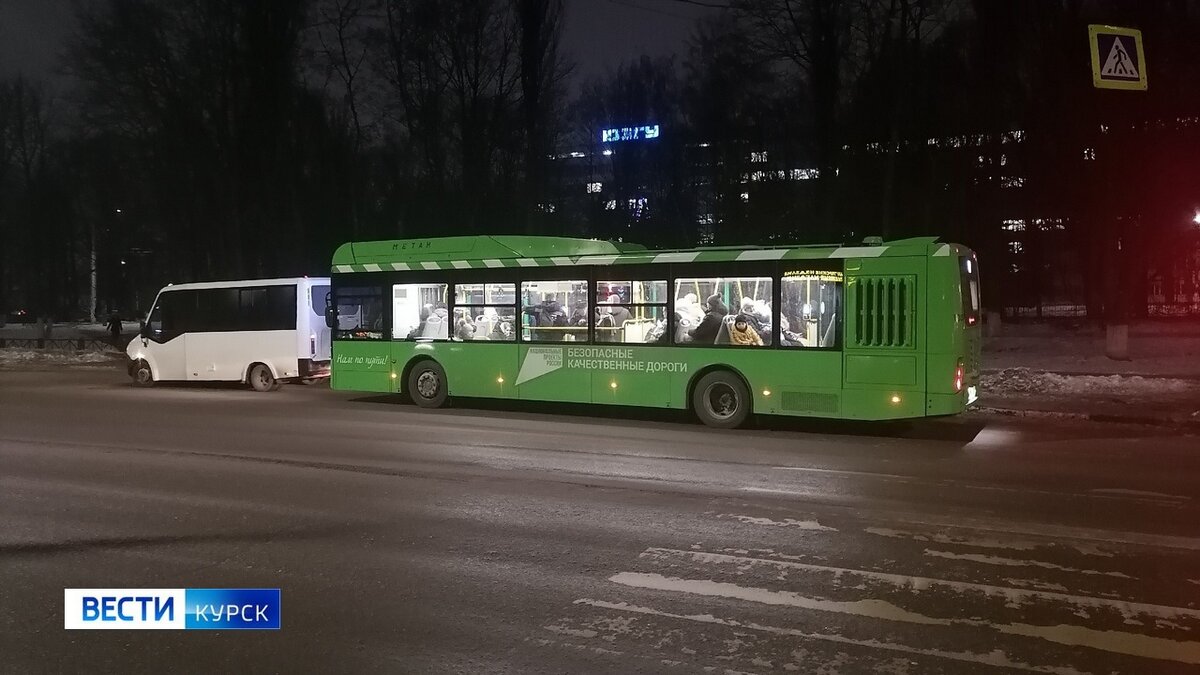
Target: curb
x=1078, y=373
x=1192, y=425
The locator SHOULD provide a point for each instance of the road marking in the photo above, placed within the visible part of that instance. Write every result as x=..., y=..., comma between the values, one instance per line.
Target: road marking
x=786, y=522
x=1106, y=640
x=1141, y=493
x=1014, y=562
x=871, y=607
x=1055, y=533
x=915, y=583
x=1116, y=494
x=978, y=542
x=996, y=657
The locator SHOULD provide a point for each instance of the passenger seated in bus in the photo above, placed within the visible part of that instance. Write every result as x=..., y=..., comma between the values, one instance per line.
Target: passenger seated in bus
x=420, y=329
x=579, y=319
x=438, y=324
x=689, y=306
x=742, y=332
x=786, y=337
x=548, y=313
x=617, y=316
x=502, y=329
x=710, y=325
x=750, y=313
x=464, y=330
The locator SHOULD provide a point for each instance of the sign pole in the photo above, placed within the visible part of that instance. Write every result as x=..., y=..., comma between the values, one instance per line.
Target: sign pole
x=1118, y=62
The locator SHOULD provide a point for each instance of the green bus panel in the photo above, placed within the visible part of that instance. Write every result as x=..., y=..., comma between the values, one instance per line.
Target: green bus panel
x=781, y=382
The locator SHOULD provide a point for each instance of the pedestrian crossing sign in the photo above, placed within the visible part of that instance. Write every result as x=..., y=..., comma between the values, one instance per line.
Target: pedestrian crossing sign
x=1118, y=61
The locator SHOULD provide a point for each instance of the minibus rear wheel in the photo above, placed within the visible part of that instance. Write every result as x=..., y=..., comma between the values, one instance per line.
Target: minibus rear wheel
x=261, y=379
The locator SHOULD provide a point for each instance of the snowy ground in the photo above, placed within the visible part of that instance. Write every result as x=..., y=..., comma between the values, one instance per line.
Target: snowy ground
x=25, y=358
x=1162, y=349
x=65, y=330
x=1052, y=369
x=1027, y=380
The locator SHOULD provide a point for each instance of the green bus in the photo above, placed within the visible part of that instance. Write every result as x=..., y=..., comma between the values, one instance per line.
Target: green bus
x=881, y=331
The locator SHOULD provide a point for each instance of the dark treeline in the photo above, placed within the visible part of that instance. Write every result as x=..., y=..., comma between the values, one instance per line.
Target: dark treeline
x=205, y=139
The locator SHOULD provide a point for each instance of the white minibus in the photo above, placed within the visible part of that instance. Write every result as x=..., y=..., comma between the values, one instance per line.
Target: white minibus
x=261, y=332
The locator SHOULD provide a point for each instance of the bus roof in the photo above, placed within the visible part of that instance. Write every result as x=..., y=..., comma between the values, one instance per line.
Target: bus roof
x=531, y=251
x=202, y=285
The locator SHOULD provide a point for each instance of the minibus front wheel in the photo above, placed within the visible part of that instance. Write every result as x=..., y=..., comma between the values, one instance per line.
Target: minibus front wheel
x=141, y=373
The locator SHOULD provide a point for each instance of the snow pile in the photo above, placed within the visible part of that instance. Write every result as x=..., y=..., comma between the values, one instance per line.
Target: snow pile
x=1026, y=380
x=9, y=357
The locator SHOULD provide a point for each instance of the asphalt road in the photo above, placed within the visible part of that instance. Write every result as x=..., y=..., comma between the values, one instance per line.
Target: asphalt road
x=481, y=540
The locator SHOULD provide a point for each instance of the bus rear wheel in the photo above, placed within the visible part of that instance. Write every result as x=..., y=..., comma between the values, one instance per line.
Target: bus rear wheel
x=427, y=384
x=261, y=379
x=721, y=400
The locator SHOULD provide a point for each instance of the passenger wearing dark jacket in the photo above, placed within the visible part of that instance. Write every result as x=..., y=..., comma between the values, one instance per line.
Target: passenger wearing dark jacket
x=706, y=332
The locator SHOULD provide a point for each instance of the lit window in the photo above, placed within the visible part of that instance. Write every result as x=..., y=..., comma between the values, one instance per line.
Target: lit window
x=724, y=311
x=811, y=302
x=419, y=311
x=485, y=311
x=554, y=311
x=631, y=311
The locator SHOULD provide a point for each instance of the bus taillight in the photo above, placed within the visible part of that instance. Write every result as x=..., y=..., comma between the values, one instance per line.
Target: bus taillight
x=958, y=376
x=312, y=344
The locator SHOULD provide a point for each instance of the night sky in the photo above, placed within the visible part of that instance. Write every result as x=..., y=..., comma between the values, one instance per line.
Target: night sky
x=599, y=34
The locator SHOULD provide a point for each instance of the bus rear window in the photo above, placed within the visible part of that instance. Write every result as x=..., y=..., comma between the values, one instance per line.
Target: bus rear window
x=968, y=273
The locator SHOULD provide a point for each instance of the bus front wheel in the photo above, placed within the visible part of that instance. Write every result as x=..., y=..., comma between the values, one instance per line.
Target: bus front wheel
x=141, y=374
x=261, y=379
x=721, y=400
x=427, y=384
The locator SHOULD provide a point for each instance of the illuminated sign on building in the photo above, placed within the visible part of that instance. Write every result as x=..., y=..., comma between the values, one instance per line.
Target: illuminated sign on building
x=641, y=133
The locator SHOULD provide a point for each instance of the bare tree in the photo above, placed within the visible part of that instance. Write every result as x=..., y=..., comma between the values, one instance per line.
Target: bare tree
x=541, y=71
x=813, y=37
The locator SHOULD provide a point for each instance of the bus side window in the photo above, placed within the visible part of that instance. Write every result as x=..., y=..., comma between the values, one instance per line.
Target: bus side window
x=811, y=302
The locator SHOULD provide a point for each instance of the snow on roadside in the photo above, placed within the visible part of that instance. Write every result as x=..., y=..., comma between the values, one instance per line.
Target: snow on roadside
x=1027, y=380
x=17, y=357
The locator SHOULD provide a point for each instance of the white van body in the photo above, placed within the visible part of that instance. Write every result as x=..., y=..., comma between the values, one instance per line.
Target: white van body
x=212, y=332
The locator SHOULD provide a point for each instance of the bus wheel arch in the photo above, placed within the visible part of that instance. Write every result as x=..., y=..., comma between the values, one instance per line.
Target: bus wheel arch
x=720, y=396
x=425, y=382
x=261, y=377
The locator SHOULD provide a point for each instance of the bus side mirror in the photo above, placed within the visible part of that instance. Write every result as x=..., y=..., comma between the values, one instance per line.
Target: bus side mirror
x=142, y=328
x=330, y=316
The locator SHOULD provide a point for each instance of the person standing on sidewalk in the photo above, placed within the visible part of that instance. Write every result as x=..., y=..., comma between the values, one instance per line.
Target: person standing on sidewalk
x=114, y=328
